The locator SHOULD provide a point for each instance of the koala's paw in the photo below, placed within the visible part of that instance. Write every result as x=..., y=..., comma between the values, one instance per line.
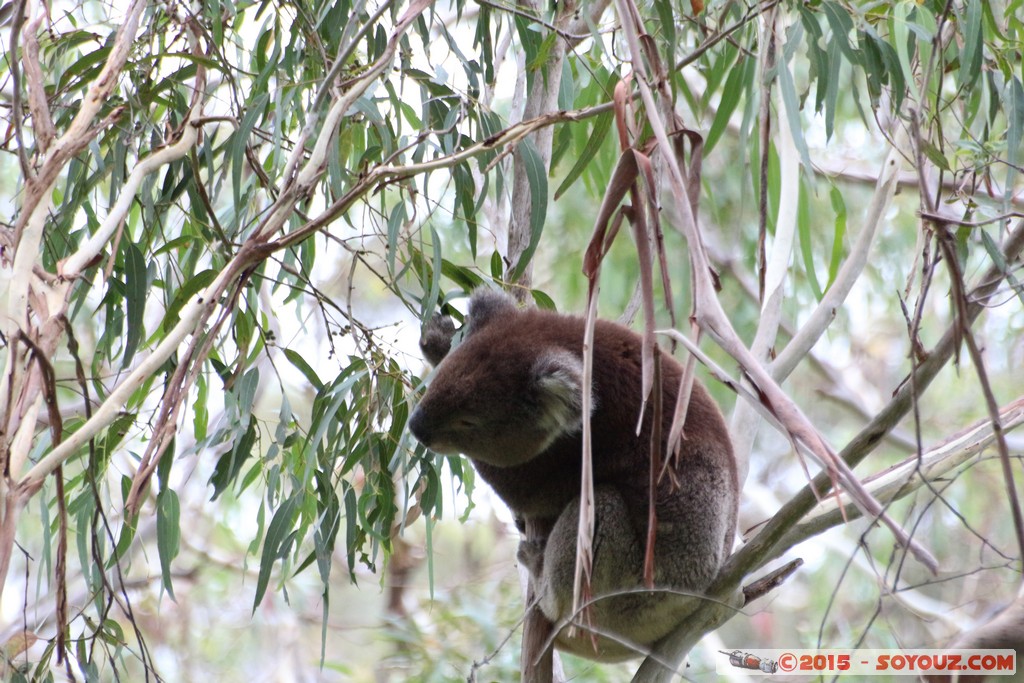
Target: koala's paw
x=436, y=338
x=531, y=556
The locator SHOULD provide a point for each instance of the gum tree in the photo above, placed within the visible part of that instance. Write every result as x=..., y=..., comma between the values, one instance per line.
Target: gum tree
x=186, y=185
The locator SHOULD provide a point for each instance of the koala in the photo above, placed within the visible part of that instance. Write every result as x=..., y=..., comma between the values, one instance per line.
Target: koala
x=509, y=397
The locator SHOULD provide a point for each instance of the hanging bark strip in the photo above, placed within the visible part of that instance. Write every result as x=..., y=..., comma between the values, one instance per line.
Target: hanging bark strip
x=49, y=389
x=634, y=167
x=708, y=312
x=655, y=472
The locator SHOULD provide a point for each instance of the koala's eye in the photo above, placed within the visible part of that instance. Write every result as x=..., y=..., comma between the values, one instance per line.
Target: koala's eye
x=465, y=422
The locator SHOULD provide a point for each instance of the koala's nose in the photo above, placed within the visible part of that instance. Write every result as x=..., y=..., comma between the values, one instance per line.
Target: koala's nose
x=418, y=426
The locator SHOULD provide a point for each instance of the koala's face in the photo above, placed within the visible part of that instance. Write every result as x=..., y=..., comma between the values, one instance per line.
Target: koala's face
x=500, y=397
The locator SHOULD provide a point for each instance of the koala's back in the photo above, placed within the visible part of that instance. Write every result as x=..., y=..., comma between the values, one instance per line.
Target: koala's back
x=544, y=485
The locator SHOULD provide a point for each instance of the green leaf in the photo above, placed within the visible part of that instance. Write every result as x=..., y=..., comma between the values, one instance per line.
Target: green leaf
x=970, y=55
x=230, y=464
x=537, y=177
x=434, y=285
x=168, y=534
x=600, y=131
x=90, y=570
x=788, y=92
x=892, y=71
x=540, y=60
x=739, y=80
x=996, y=254
x=240, y=140
x=934, y=155
x=108, y=443
x=352, y=533
x=328, y=402
x=841, y=24
x=87, y=66
x=567, y=89
x=497, y=267
x=835, y=63
x=163, y=468
x=464, y=277
x=244, y=326
x=124, y=542
x=296, y=359
x=803, y=222
x=274, y=545
x=1013, y=101
x=328, y=524
x=200, y=411
x=135, y=297
x=245, y=393
x=192, y=286
x=395, y=221
x=668, y=27
x=543, y=301
x=465, y=191
x=530, y=40
x=839, y=206
x=904, y=39
x=816, y=53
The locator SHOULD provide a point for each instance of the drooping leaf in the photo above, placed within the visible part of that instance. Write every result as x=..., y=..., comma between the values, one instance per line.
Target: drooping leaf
x=168, y=534
x=803, y=222
x=230, y=464
x=274, y=545
x=970, y=54
x=296, y=359
x=537, y=178
x=1013, y=101
x=838, y=234
x=788, y=91
x=739, y=81
x=136, y=288
x=602, y=124
x=240, y=141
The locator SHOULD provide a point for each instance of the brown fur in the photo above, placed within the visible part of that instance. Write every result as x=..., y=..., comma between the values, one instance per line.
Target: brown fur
x=509, y=397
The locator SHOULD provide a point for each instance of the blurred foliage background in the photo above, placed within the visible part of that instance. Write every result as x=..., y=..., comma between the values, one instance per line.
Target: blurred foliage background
x=222, y=224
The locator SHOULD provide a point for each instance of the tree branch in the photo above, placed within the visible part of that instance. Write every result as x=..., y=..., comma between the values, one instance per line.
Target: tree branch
x=903, y=479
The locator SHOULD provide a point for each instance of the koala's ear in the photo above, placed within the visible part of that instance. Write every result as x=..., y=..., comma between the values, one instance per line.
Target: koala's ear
x=486, y=305
x=436, y=338
x=559, y=380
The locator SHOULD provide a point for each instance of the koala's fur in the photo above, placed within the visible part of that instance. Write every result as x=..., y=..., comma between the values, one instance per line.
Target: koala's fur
x=510, y=398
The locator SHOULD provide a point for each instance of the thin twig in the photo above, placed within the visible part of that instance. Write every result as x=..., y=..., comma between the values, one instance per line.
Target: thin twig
x=939, y=218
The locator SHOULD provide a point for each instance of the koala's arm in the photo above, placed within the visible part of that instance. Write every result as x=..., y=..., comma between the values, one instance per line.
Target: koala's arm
x=485, y=305
x=436, y=338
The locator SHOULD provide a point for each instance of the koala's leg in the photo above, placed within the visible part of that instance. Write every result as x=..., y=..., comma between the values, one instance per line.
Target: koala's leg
x=616, y=550
x=618, y=566
x=635, y=618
